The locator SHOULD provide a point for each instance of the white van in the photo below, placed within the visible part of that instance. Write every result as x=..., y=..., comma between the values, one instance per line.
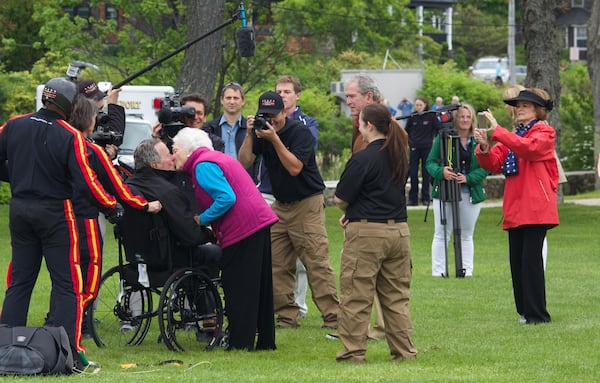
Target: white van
x=141, y=101
x=136, y=130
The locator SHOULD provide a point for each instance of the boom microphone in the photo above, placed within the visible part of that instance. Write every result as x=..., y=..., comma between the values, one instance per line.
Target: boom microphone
x=443, y=110
x=448, y=108
x=244, y=36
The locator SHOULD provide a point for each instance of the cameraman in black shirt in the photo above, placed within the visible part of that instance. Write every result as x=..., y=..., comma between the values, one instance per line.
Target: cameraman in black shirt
x=115, y=113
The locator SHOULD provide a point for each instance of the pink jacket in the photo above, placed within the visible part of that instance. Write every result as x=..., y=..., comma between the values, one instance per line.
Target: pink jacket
x=529, y=196
x=249, y=213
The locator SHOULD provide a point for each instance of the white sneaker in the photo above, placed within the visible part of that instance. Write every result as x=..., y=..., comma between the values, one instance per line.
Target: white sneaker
x=333, y=336
x=522, y=320
x=126, y=326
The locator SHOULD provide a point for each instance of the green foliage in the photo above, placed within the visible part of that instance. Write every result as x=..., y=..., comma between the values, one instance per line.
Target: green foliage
x=156, y=30
x=19, y=45
x=447, y=81
x=479, y=32
x=577, y=119
x=16, y=94
x=340, y=25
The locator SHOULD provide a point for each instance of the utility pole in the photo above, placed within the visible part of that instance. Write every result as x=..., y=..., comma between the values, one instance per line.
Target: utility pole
x=420, y=21
x=511, y=42
x=449, y=11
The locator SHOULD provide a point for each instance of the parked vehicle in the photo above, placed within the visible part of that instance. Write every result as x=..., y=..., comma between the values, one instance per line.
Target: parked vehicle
x=136, y=130
x=485, y=68
x=520, y=73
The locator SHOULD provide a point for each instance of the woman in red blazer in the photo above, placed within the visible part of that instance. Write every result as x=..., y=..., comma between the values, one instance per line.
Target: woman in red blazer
x=526, y=157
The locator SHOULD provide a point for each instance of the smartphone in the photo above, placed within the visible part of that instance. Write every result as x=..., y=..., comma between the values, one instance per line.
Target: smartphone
x=482, y=121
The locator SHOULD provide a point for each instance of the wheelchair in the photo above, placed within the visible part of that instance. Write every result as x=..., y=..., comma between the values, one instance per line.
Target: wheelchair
x=189, y=310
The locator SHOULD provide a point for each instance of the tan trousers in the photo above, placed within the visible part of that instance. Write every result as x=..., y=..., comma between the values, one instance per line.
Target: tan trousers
x=378, y=329
x=301, y=233
x=375, y=260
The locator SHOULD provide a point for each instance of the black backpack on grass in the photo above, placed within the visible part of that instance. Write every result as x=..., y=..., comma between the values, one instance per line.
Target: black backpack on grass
x=35, y=351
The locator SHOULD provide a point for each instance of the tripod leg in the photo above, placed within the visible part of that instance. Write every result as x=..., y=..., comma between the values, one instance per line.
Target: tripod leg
x=458, y=263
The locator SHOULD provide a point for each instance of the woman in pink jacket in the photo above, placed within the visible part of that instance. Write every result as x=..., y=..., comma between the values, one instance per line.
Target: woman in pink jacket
x=526, y=157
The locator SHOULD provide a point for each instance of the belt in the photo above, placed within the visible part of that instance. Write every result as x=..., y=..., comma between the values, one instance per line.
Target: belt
x=298, y=200
x=388, y=221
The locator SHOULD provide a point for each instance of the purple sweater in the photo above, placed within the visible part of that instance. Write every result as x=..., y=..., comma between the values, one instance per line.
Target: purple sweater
x=249, y=213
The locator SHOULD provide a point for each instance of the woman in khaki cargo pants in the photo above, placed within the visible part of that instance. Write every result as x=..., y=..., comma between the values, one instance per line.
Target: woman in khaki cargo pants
x=376, y=253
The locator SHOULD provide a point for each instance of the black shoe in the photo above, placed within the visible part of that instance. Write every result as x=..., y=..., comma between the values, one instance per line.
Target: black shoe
x=411, y=203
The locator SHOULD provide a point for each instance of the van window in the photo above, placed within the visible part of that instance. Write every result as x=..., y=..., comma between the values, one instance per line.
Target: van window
x=135, y=132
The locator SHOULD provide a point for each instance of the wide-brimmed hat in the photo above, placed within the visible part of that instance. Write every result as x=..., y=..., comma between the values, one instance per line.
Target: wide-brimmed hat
x=89, y=89
x=526, y=95
x=270, y=103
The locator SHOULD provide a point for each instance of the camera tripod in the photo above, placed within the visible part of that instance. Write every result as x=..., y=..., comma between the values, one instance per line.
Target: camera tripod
x=450, y=193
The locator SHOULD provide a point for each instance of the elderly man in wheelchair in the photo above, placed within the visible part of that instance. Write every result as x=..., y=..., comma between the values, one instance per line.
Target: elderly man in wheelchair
x=167, y=254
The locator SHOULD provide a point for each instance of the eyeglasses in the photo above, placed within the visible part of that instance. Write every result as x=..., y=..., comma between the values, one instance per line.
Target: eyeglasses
x=232, y=84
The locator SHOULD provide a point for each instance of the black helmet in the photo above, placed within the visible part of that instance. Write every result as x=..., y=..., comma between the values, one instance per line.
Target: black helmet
x=61, y=92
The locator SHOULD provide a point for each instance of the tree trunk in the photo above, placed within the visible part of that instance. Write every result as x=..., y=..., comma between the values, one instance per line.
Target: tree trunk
x=542, y=48
x=593, y=57
x=203, y=59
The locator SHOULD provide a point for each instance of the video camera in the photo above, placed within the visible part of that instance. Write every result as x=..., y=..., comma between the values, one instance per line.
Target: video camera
x=172, y=116
x=103, y=135
x=260, y=121
x=443, y=114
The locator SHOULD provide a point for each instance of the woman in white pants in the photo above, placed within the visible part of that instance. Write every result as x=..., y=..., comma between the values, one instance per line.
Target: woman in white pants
x=456, y=163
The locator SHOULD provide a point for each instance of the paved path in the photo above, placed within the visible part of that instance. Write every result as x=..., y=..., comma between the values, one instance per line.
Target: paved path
x=582, y=201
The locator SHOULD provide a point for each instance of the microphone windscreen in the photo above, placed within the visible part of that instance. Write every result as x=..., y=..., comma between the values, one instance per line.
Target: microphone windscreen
x=165, y=115
x=244, y=38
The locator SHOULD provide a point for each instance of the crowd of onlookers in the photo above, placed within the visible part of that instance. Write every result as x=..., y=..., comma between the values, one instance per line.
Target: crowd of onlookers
x=254, y=181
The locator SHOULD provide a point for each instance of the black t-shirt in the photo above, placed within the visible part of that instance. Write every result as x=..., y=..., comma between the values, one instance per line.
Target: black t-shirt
x=298, y=139
x=366, y=184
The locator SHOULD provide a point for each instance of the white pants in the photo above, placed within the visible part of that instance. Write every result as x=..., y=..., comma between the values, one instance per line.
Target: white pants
x=468, y=214
x=301, y=288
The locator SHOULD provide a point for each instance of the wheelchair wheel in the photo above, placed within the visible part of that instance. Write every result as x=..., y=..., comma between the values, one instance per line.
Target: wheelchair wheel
x=190, y=311
x=120, y=315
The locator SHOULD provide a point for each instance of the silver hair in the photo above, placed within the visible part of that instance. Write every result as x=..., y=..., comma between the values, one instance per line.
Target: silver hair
x=366, y=84
x=145, y=153
x=190, y=139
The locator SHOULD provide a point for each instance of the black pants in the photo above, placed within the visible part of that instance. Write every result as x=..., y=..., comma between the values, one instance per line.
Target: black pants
x=418, y=155
x=527, y=270
x=44, y=228
x=248, y=286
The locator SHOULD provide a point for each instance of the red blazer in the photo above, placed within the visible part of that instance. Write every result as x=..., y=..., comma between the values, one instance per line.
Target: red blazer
x=529, y=196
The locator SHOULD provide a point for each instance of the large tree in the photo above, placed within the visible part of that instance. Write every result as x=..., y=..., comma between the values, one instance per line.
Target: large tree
x=542, y=49
x=202, y=60
x=593, y=46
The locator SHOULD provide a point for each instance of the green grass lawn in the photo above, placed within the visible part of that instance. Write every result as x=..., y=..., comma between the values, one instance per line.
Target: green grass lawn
x=465, y=329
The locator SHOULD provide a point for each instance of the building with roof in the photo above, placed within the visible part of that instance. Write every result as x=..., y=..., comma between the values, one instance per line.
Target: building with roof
x=572, y=19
